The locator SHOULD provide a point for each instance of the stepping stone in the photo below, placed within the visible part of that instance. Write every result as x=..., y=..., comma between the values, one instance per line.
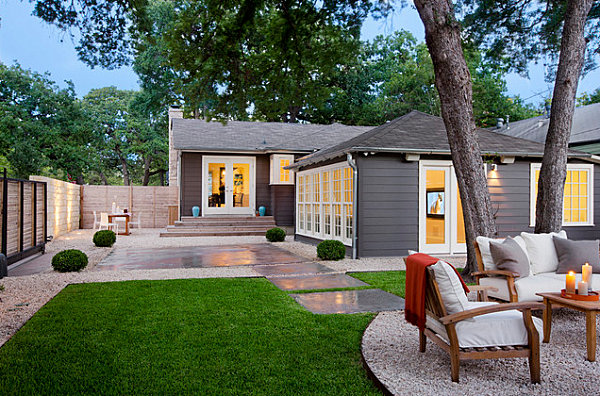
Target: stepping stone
x=291, y=269
x=311, y=282
x=350, y=301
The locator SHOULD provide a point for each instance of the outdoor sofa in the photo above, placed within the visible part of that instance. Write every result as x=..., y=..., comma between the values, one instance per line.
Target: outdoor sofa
x=546, y=257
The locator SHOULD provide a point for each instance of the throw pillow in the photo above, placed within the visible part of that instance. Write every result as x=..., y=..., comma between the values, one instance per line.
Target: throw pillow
x=541, y=251
x=573, y=254
x=509, y=256
x=486, y=255
x=451, y=289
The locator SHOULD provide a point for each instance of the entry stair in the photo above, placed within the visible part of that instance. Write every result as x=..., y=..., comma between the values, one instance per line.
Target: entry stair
x=220, y=226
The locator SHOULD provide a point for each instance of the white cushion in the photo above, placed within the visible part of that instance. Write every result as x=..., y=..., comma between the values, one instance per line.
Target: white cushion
x=541, y=251
x=451, y=289
x=493, y=329
x=499, y=283
x=529, y=286
x=486, y=255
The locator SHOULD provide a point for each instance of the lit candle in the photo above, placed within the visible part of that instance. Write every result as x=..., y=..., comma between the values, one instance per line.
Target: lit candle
x=586, y=274
x=582, y=288
x=570, y=282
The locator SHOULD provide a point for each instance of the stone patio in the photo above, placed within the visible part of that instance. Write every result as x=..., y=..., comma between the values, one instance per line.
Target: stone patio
x=350, y=301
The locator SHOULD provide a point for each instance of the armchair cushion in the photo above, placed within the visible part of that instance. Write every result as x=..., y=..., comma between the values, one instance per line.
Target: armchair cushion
x=451, y=288
x=493, y=329
x=541, y=251
x=509, y=256
x=500, y=284
x=573, y=254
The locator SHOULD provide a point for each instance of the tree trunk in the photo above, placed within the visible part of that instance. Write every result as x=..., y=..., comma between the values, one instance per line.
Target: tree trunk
x=453, y=82
x=162, y=178
x=103, y=178
x=80, y=180
x=549, y=205
x=125, y=171
x=147, y=162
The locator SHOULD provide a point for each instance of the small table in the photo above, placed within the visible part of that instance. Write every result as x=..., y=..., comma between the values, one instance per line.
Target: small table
x=590, y=308
x=124, y=215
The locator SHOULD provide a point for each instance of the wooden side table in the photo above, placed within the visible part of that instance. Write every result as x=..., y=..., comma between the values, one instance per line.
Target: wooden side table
x=590, y=308
x=111, y=216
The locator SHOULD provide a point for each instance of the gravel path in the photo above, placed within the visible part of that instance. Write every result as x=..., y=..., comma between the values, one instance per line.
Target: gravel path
x=391, y=349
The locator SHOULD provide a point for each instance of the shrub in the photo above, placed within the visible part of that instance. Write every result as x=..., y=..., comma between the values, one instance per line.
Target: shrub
x=276, y=235
x=104, y=238
x=69, y=260
x=331, y=250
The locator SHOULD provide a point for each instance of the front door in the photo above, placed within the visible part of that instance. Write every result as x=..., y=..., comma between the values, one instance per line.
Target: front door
x=441, y=223
x=229, y=185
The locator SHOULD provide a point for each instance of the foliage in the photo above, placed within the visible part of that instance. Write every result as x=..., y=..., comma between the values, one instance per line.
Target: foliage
x=587, y=99
x=42, y=127
x=527, y=30
x=185, y=336
x=104, y=238
x=69, y=260
x=331, y=250
x=276, y=235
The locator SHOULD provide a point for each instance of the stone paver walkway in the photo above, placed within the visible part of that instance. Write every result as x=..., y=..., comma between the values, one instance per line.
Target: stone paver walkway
x=197, y=257
x=350, y=301
x=315, y=282
x=284, y=270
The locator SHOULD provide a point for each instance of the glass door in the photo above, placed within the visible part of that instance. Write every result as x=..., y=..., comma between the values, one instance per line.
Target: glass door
x=228, y=185
x=441, y=222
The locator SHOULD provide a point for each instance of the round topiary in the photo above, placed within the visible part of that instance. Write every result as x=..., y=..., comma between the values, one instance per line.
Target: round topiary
x=69, y=260
x=331, y=250
x=104, y=238
x=276, y=235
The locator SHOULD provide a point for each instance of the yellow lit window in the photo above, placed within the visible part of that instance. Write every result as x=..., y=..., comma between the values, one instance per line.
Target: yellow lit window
x=279, y=175
x=578, y=195
x=284, y=174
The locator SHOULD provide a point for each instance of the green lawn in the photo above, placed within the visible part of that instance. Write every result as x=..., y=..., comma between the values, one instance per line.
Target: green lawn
x=207, y=336
x=390, y=281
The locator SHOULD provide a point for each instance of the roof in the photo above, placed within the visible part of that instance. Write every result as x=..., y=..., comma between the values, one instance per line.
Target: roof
x=193, y=134
x=421, y=133
x=585, y=128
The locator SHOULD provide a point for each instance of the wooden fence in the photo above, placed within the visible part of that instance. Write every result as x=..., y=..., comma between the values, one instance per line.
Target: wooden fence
x=150, y=203
x=23, y=217
x=63, y=205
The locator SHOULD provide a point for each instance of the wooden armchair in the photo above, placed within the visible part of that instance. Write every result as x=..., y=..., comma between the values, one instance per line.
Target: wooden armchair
x=439, y=322
x=507, y=275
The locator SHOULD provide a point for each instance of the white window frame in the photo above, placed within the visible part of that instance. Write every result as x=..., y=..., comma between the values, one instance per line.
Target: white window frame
x=321, y=204
x=570, y=167
x=276, y=168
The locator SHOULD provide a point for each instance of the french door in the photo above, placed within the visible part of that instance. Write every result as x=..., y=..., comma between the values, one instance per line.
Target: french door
x=441, y=223
x=228, y=185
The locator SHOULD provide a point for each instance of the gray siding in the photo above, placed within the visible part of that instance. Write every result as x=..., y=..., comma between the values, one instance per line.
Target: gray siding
x=388, y=205
x=191, y=182
x=283, y=198
x=263, y=189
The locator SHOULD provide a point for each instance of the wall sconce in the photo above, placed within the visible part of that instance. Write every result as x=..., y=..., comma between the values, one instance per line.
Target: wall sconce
x=494, y=167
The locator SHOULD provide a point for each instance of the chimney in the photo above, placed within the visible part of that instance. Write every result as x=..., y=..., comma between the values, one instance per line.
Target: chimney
x=499, y=123
x=174, y=112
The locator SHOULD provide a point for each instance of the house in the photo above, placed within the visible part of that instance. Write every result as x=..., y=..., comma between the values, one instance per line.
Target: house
x=585, y=131
x=237, y=167
x=393, y=188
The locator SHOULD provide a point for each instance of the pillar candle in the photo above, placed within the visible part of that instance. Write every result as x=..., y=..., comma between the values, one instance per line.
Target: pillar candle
x=570, y=287
x=586, y=274
x=582, y=288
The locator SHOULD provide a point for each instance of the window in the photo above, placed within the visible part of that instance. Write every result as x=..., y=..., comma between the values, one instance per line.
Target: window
x=325, y=203
x=578, y=201
x=279, y=175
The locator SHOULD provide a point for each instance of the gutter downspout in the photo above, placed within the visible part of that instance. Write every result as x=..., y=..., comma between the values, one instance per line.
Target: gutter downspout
x=354, y=202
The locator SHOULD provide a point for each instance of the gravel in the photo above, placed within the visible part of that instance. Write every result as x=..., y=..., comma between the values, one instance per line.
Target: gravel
x=390, y=346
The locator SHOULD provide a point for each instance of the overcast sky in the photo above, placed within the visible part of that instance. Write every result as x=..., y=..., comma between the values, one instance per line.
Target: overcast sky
x=43, y=48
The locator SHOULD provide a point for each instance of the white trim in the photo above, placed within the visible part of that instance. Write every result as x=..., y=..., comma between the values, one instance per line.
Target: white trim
x=309, y=200
x=229, y=161
x=532, y=198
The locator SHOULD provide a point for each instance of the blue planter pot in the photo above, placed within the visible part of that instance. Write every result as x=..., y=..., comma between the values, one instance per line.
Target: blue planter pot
x=195, y=211
x=262, y=210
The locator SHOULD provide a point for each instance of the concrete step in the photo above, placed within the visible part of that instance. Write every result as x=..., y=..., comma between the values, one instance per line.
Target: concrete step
x=173, y=234
x=218, y=228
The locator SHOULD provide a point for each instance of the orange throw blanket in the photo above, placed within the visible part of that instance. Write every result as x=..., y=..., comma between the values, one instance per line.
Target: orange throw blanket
x=416, y=265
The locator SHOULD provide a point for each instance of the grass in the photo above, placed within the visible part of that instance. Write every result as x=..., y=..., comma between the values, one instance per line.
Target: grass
x=202, y=336
x=390, y=281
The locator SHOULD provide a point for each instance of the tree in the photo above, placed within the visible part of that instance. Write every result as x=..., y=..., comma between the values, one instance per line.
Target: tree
x=453, y=82
x=587, y=99
x=42, y=127
x=529, y=29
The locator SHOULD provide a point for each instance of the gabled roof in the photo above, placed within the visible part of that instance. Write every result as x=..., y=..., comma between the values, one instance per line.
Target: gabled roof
x=192, y=134
x=421, y=133
x=586, y=126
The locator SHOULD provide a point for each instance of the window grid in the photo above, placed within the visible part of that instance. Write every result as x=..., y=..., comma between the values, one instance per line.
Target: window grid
x=284, y=174
x=327, y=203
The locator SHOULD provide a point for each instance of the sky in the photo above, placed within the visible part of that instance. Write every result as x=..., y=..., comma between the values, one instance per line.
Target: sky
x=42, y=48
